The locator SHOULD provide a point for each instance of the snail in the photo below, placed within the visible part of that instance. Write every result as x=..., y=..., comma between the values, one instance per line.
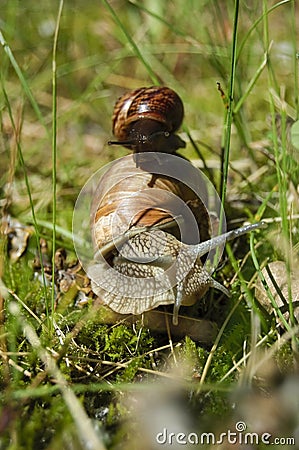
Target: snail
x=146, y=119
x=150, y=222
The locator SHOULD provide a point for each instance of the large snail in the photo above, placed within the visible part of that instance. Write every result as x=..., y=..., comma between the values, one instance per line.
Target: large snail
x=150, y=221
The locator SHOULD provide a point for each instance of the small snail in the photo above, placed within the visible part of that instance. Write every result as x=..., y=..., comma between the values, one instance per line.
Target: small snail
x=146, y=119
x=150, y=222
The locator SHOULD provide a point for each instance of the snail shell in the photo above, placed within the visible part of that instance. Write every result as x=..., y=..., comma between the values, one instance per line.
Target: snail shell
x=146, y=119
x=124, y=200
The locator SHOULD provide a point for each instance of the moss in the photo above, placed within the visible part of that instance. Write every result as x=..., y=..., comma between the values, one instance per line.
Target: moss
x=27, y=425
x=285, y=359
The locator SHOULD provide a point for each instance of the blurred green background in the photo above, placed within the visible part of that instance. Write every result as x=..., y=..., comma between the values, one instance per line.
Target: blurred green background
x=186, y=45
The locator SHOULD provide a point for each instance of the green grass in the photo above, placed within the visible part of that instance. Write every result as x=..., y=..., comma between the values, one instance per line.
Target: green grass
x=69, y=377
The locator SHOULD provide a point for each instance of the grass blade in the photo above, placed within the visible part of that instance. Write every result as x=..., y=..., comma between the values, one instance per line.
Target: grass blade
x=252, y=81
x=27, y=183
x=229, y=115
x=134, y=46
x=23, y=81
x=54, y=153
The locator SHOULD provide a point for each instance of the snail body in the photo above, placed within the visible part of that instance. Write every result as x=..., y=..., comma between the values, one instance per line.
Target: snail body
x=135, y=229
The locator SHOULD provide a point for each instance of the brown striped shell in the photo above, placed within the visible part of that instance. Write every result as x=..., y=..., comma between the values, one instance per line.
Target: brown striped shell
x=124, y=200
x=147, y=118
